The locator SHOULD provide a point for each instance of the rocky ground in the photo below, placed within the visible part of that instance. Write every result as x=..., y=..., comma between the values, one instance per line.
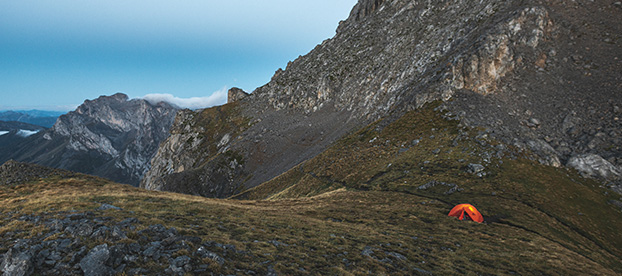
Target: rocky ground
x=12, y=172
x=564, y=102
x=67, y=247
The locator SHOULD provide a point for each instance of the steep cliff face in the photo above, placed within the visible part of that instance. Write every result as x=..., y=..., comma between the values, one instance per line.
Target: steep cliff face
x=110, y=136
x=510, y=67
x=196, y=158
x=560, y=97
x=388, y=53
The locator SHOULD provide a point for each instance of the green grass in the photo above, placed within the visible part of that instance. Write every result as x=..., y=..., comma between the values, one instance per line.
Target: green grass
x=556, y=204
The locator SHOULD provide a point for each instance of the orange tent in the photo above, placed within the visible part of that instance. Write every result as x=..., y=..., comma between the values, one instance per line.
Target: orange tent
x=466, y=209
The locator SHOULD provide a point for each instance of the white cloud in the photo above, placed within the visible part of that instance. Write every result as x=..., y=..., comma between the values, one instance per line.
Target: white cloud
x=217, y=98
x=25, y=133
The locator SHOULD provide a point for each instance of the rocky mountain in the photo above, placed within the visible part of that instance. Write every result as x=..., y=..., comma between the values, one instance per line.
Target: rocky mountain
x=350, y=159
x=13, y=132
x=538, y=76
x=110, y=136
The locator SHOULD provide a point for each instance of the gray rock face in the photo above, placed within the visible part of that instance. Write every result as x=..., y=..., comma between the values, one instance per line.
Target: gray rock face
x=508, y=66
x=235, y=94
x=17, y=263
x=409, y=54
x=110, y=136
x=94, y=263
x=364, y=8
x=593, y=165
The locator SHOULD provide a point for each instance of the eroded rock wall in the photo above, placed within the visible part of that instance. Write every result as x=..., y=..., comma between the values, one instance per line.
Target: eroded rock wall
x=501, y=65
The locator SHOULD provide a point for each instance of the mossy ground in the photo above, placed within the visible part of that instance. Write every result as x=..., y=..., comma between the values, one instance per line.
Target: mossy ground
x=357, y=209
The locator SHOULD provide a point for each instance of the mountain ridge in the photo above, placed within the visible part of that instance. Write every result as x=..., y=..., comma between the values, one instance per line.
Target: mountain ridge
x=111, y=136
x=489, y=62
x=350, y=159
x=36, y=117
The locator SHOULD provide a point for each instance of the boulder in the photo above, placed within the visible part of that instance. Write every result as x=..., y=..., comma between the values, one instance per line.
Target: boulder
x=17, y=263
x=94, y=264
x=593, y=165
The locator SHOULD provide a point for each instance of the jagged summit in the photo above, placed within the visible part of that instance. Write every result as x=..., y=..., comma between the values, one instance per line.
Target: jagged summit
x=364, y=8
x=111, y=136
x=235, y=94
x=351, y=158
x=518, y=69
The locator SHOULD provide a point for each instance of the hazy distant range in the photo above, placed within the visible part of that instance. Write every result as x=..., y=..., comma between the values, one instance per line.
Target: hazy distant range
x=41, y=118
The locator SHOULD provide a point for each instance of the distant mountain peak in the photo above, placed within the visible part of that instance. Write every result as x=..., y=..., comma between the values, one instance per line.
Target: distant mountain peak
x=110, y=136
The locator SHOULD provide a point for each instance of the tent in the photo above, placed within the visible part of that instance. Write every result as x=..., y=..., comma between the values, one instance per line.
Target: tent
x=466, y=211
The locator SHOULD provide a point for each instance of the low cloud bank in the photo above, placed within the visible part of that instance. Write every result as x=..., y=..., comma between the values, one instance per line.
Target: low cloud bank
x=25, y=133
x=217, y=98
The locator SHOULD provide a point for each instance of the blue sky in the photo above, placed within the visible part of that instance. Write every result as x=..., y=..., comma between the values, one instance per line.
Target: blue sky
x=56, y=54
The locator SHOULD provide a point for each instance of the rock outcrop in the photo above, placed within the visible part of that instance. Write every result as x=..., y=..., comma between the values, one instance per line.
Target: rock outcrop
x=110, y=136
x=515, y=68
x=63, y=248
x=235, y=94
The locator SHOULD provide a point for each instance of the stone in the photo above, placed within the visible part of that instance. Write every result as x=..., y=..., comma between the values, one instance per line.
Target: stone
x=367, y=251
x=106, y=206
x=82, y=230
x=452, y=187
x=94, y=263
x=475, y=168
x=17, y=263
x=153, y=250
x=593, y=165
x=181, y=261
x=548, y=155
x=77, y=256
x=397, y=256
x=126, y=222
x=180, y=265
x=101, y=233
x=277, y=243
x=204, y=253
x=118, y=233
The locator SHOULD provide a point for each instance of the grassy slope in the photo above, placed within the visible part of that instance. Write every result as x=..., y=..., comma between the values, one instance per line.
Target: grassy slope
x=324, y=234
x=555, y=204
x=348, y=212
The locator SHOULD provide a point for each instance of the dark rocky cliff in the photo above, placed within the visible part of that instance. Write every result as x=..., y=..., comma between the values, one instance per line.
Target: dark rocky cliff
x=538, y=75
x=110, y=136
